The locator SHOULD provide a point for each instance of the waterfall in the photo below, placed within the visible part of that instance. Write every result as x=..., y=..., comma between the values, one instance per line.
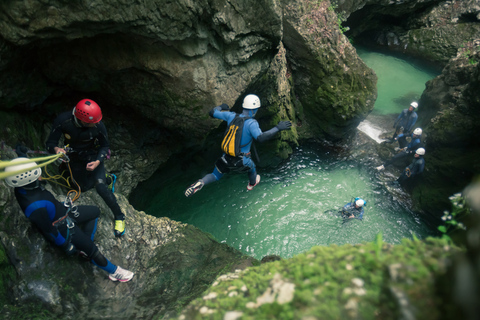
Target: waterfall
x=370, y=130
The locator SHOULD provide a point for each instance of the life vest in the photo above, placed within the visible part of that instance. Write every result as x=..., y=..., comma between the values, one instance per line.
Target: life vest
x=233, y=136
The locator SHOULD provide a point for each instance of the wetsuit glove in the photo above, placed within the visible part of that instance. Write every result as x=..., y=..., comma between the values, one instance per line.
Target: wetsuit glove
x=224, y=106
x=284, y=125
x=69, y=248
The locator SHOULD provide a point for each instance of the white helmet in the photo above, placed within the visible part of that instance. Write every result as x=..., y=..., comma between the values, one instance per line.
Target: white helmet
x=24, y=178
x=251, y=102
x=414, y=105
x=420, y=151
x=360, y=203
x=417, y=132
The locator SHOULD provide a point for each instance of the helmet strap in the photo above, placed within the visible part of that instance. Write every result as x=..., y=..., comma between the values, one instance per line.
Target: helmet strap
x=34, y=185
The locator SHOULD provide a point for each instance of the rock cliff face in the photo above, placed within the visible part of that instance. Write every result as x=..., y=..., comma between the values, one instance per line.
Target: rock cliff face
x=429, y=29
x=173, y=263
x=156, y=68
x=451, y=119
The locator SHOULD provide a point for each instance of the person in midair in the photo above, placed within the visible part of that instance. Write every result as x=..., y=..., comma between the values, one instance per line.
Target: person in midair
x=87, y=138
x=59, y=224
x=230, y=161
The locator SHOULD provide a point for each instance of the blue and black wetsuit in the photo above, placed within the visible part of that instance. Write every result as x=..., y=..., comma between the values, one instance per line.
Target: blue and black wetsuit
x=350, y=209
x=405, y=119
x=410, y=149
x=42, y=209
x=251, y=130
x=413, y=171
x=88, y=144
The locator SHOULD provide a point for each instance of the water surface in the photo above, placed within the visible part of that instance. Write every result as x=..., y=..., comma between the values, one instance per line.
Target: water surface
x=292, y=209
x=400, y=81
x=295, y=205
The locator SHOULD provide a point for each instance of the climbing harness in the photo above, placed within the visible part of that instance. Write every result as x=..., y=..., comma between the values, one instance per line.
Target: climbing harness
x=408, y=173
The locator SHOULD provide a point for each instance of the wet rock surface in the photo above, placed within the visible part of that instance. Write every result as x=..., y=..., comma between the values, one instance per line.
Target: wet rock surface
x=429, y=29
x=172, y=262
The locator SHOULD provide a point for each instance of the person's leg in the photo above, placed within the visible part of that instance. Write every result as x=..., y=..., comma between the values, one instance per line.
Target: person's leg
x=116, y=273
x=109, y=198
x=220, y=166
x=395, y=158
x=402, y=142
x=79, y=176
x=88, y=216
x=253, y=177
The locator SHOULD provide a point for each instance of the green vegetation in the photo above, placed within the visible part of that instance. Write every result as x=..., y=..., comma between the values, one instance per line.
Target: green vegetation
x=452, y=219
x=340, y=282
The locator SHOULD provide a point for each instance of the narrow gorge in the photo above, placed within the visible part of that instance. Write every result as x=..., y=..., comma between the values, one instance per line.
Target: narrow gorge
x=156, y=68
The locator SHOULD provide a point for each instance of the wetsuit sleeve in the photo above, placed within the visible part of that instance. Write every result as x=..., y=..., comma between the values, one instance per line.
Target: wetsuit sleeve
x=54, y=136
x=219, y=108
x=267, y=135
x=41, y=219
x=103, y=142
x=360, y=216
x=398, y=119
x=225, y=116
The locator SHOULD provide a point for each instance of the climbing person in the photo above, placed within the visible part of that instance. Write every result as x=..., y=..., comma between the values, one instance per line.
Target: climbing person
x=242, y=129
x=60, y=224
x=414, y=170
x=354, y=209
x=86, y=136
x=406, y=149
x=405, y=121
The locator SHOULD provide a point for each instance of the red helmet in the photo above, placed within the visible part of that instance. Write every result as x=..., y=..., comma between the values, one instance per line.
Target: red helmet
x=88, y=111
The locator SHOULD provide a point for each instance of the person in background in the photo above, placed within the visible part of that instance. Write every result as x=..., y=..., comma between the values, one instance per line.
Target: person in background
x=87, y=138
x=405, y=151
x=414, y=170
x=56, y=222
x=250, y=130
x=354, y=209
x=406, y=120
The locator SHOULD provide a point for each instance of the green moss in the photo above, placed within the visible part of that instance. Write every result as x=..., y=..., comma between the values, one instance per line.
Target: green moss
x=323, y=282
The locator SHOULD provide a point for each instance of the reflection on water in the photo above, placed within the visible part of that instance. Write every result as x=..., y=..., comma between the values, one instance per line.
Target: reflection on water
x=292, y=209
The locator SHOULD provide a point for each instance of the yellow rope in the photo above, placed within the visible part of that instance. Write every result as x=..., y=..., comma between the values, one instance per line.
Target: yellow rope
x=52, y=158
x=4, y=164
x=68, y=186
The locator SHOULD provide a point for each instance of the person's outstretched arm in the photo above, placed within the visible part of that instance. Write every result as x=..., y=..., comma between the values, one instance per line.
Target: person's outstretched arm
x=267, y=135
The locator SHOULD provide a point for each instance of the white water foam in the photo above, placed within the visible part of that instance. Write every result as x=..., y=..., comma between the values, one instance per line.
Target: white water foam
x=370, y=130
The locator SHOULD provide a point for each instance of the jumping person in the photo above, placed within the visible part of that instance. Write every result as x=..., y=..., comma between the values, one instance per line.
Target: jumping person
x=407, y=150
x=353, y=209
x=406, y=120
x=86, y=135
x=57, y=223
x=238, y=160
x=413, y=171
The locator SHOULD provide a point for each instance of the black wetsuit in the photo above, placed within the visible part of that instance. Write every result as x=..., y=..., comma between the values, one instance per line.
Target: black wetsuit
x=88, y=144
x=41, y=207
x=405, y=119
x=413, y=171
x=409, y=151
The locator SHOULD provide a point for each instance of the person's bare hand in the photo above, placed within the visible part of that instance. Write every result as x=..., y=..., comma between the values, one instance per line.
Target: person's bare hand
x=92, y=165
x=58, y=150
